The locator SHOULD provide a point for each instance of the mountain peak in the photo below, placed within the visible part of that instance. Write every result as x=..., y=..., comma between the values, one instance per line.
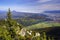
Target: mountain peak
x=53, y=11
x=13, y=11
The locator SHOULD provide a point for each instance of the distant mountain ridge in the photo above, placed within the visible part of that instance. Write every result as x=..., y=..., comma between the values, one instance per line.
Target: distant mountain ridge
x=53, y=11
x=53, y=14
x=47, y=14
x=20, y=14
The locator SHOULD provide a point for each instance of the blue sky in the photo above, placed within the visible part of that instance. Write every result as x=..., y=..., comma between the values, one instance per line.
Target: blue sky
x=34, y=6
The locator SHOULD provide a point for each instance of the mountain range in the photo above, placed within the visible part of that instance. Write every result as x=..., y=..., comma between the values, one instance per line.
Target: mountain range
x=54, y=14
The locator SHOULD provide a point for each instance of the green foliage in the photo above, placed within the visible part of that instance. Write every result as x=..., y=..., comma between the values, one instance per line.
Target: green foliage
x=49, y=38
x=28, y=21
x=4, y=34
x=43, y=25
x=8, y=28
x=44, y=36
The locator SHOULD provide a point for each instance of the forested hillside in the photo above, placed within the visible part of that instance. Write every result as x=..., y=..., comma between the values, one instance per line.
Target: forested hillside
x=10, y=29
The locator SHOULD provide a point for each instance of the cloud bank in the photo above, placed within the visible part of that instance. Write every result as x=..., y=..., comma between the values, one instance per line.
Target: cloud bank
x=32, y=6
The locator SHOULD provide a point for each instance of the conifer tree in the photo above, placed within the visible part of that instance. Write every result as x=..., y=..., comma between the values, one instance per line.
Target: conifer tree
x=10, y=25
x=9, y=19
x=9, y=14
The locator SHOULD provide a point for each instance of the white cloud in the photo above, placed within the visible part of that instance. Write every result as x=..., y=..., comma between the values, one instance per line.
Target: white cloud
x=50, y=7
x=41, y=1
x=33, y=9
x=39, y=8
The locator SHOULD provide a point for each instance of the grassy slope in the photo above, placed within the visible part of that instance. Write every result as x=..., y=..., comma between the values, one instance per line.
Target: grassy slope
x=43, y=25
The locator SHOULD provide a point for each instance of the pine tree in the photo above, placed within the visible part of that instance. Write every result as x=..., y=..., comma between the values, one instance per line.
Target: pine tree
x=13, y=26
x=10, y=25
x=9, y=19
x=9, y=14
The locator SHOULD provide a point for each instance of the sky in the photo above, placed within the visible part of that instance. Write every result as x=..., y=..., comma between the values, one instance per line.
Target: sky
x=32, y=6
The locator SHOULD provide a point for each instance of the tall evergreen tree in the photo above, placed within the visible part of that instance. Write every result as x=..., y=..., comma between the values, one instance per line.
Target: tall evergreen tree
x=9, y=14
x=10, y=25
x=9, y=19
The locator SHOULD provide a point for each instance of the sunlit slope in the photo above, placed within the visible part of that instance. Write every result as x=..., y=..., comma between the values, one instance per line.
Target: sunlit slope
x=44, y=25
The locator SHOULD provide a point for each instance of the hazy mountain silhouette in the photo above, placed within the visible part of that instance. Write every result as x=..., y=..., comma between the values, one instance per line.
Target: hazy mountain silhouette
x=47, y=14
